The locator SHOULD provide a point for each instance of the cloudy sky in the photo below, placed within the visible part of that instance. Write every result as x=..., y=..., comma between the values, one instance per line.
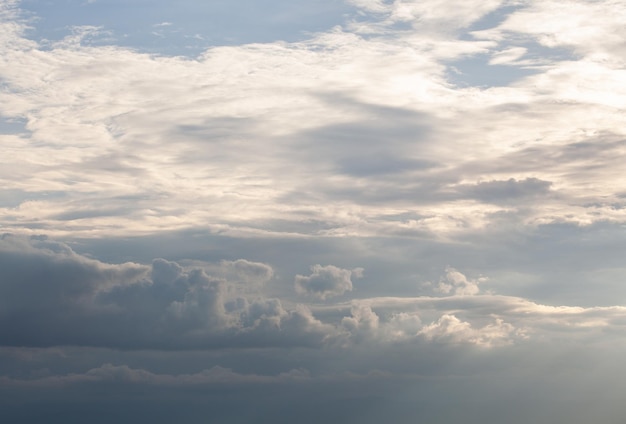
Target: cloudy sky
x=312, y=211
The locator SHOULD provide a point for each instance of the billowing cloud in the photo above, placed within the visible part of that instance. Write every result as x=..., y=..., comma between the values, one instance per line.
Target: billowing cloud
x=455, y=282
x=327, y=281
x=450, y=329
x=53, y=296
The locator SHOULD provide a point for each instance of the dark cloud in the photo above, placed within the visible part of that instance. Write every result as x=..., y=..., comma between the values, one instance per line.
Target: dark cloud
x=175, y=336
x=53, y=296
x=360, y=165
x=572, y=158
x=514, y=386
x=507, y=191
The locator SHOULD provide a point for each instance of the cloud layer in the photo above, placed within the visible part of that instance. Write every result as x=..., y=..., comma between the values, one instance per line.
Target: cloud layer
x=344, y=128
x=52, y=296
x=73, y=326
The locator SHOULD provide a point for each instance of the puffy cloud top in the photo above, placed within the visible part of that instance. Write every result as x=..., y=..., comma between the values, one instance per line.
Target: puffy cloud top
x=327, y=281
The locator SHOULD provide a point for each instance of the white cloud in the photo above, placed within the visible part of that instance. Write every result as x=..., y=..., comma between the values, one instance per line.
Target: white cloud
x=132, y=138
x=452, y=330
x=448, y=15
x=508, y=56
x=591, y=28
x=377, y=6
x=456, y=283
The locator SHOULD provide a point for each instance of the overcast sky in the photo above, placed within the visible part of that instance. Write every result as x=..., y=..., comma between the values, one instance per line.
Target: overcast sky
x=357, y=211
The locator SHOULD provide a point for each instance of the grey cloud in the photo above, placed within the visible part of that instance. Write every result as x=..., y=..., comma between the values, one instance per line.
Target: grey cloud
x=576, y=156
x=123, y=374
x=401, y=382
x=506, y=191
x=359, y=165
x=53, y=296
x=397, y=144
x=249, y=274
x=552, y=263
x=52, y=272
x=327, y=281
x=476, y=387
x=62, y=298
x=249, y=271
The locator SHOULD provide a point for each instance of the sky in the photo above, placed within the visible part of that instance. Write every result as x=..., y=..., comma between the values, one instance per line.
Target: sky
x=341, y=211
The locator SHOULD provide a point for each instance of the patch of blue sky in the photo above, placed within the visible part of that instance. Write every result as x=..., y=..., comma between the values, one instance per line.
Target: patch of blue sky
x=12, y=125
x=185, y=27
x=481, y=71
x=477, y=72
x=491, y=20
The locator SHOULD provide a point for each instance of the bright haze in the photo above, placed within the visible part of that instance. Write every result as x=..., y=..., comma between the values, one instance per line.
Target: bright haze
x=313, y=211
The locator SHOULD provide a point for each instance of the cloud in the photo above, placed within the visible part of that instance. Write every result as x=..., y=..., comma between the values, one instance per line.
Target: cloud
x=456, y=283
x=372, y=122
x=53, y=296
x=363, y=322
x=327, y=281
x=449, y=329
x=590, y=27
x=171, y=329
x=503, y=191
x=248, y=271
x=366, y=326
x=404, y=135
x=123, y=374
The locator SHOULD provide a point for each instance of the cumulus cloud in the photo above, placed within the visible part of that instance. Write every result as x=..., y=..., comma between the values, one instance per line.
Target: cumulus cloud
x=51, y=296
x=456, y=283
x=247, y=275
x=327, y=281
x=450, y=329
x=364, y=324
